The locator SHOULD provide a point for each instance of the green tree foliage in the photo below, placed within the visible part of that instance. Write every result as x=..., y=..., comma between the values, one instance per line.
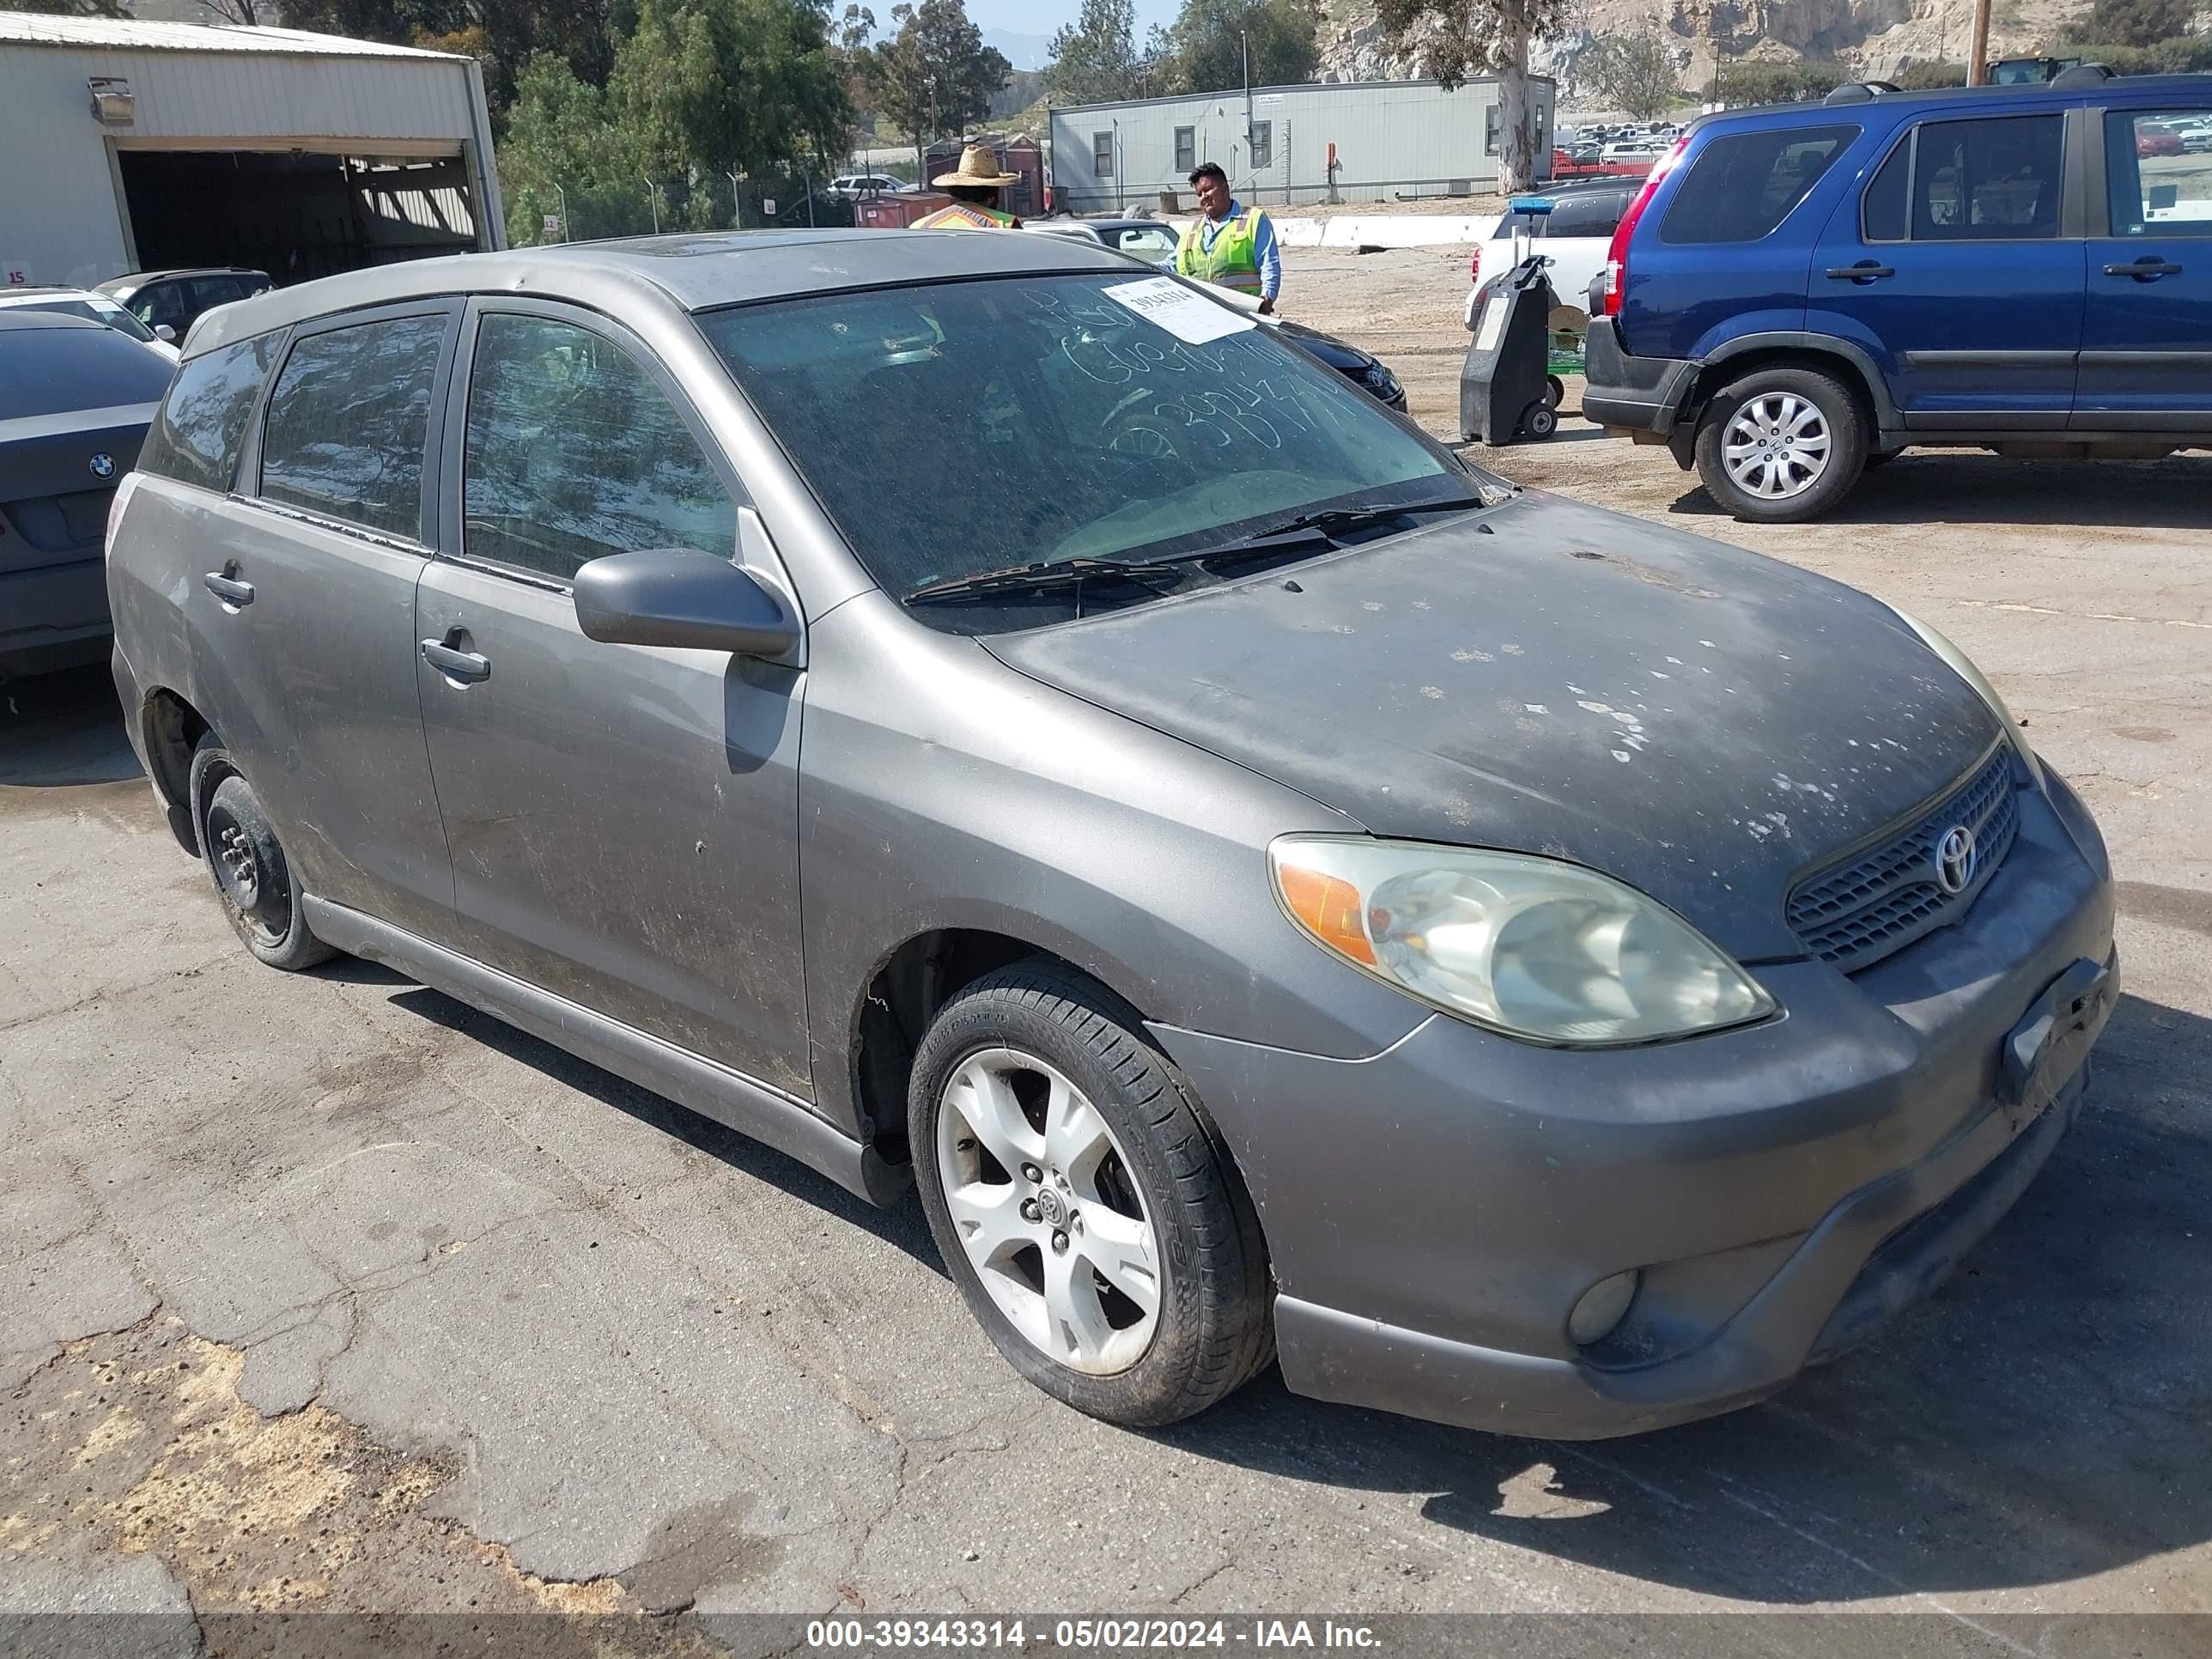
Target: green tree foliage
x=2186, y=54
x=728, y=86
x=69, y=8
x=1206, y=45
x=1760, y=82
x=1637, y=73
x=563, y=149
x=1930, y=77
x=502, y=34
x=2141, y=23
x=1458, y=40
x=1094, y=59
x=935, y=77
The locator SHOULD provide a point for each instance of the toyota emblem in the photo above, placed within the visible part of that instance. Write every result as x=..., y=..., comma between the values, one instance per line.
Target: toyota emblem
x=1954, y=859
x=103, y=467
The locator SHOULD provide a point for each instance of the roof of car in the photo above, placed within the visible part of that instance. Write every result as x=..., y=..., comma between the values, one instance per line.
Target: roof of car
x=695, y=271
x=140, y=278
x=2127, y=86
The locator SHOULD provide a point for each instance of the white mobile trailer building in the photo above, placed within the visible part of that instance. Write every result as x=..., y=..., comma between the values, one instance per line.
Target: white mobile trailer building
x=137, y=146
x=1357, y=140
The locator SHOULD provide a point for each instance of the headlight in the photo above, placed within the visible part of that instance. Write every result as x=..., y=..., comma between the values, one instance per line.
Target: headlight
x=1961, y=665
x=1526, y=945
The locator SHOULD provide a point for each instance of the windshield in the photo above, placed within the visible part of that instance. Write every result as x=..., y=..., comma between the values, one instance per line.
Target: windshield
x=92, y=311
x=1035, y=419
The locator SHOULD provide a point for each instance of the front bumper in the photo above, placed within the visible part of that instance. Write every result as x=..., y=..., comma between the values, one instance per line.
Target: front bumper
x=1639, y=394
x=1433, y=1213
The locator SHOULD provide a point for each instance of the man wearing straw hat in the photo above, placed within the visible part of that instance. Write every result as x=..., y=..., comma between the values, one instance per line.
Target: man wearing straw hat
x=978, y=188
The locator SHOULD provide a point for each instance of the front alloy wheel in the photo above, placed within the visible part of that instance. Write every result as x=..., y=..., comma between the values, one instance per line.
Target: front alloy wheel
x=1040, y=1195
x=1083, y=1202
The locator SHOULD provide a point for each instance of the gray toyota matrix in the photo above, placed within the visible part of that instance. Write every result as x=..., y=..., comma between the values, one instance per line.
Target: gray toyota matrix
x=1276, y=889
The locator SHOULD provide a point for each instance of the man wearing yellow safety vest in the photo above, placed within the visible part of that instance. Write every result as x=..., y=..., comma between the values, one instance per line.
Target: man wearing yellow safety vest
x=977, y=187
x=1231, y=247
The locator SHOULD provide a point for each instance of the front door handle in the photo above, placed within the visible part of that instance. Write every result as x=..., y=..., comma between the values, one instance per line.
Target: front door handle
x=227, y=588
x=464, y=665
x=1862, y=273
x=2148, y=268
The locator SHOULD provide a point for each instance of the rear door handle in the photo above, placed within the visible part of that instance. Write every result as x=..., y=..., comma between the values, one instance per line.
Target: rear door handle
x=232, y=592
x=464, y=665
x=2146, y=270
x=1865, y=271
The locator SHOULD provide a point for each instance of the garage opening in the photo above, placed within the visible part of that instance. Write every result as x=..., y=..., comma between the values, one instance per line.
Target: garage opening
x=294, y=215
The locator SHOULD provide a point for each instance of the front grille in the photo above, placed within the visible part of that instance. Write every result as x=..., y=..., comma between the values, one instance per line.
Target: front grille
x=1855, y=913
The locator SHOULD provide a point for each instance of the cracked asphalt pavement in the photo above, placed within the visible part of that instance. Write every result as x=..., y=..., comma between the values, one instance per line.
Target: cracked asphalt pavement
x=326, y=1292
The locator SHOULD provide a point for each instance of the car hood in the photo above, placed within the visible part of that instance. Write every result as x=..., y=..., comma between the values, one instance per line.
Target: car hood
x=1700, y=721
x=1337, y=354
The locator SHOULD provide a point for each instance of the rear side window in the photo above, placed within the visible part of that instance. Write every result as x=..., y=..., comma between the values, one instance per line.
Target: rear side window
x=1597, y=214
x=2160, y=168
x=347, y=422
x=50, y=371
x=195, y=438
x=1742, y=185
x=574, y=451
x=1884, y=211
x=1987, y=180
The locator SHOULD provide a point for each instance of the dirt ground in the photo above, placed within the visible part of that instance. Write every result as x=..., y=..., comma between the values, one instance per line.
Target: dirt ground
x=324, y=1295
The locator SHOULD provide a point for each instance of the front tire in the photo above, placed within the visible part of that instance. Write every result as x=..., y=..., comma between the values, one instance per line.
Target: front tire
x=1081, y=1203
x=259, y=891
x=1781, y=445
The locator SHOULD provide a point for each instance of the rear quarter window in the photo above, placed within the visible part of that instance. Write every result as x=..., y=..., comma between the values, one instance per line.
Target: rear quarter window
x=195, y=439
x=1743, y=184
x=50, y=371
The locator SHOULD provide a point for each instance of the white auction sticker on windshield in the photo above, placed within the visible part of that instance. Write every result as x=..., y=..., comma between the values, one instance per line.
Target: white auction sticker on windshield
x=1191, y=318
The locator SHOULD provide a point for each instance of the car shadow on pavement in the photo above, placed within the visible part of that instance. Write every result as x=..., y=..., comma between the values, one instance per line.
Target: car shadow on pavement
x=903, y=1226
x=2041, y=1420
x=1964, y=487
x=62, y=730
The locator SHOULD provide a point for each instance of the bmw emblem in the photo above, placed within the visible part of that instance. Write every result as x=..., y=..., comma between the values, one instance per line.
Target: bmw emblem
x=103, y=467
x=1955, y=858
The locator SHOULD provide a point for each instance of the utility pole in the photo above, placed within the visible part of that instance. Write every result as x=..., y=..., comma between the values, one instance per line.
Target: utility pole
x=1246, y=40
x=1978, y=67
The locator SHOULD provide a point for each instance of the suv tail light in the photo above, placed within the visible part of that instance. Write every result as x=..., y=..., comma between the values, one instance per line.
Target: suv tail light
x=1474, y=265
x=1616, y=256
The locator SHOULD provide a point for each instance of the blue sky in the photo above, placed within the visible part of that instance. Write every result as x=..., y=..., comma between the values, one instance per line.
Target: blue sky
x=1040, y=20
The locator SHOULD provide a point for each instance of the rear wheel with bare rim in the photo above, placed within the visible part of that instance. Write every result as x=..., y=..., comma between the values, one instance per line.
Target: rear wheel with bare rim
x=1082, y=1204
x=259, y=891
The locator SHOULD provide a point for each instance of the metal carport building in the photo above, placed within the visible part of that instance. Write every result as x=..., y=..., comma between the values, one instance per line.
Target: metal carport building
x=134, y=146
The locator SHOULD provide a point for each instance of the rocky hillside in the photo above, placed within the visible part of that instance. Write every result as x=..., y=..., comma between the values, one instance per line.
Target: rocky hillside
x=1876, y=38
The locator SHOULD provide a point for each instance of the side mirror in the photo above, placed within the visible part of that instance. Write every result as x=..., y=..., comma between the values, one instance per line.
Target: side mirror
x=165, y=334
x=681, y=599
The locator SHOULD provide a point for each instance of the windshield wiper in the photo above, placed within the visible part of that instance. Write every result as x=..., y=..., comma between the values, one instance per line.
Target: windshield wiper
x=1332, y=520
x=1285, y=537
x=1037, y=578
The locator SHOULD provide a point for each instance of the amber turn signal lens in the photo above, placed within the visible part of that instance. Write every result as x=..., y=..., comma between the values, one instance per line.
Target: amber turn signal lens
x=1328, y=909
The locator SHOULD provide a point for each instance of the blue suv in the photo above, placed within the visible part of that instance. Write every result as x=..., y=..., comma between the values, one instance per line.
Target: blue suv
x=1800, y=292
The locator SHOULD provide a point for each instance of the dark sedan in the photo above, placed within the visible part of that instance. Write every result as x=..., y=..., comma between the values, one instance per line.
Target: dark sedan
x=75, y=399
